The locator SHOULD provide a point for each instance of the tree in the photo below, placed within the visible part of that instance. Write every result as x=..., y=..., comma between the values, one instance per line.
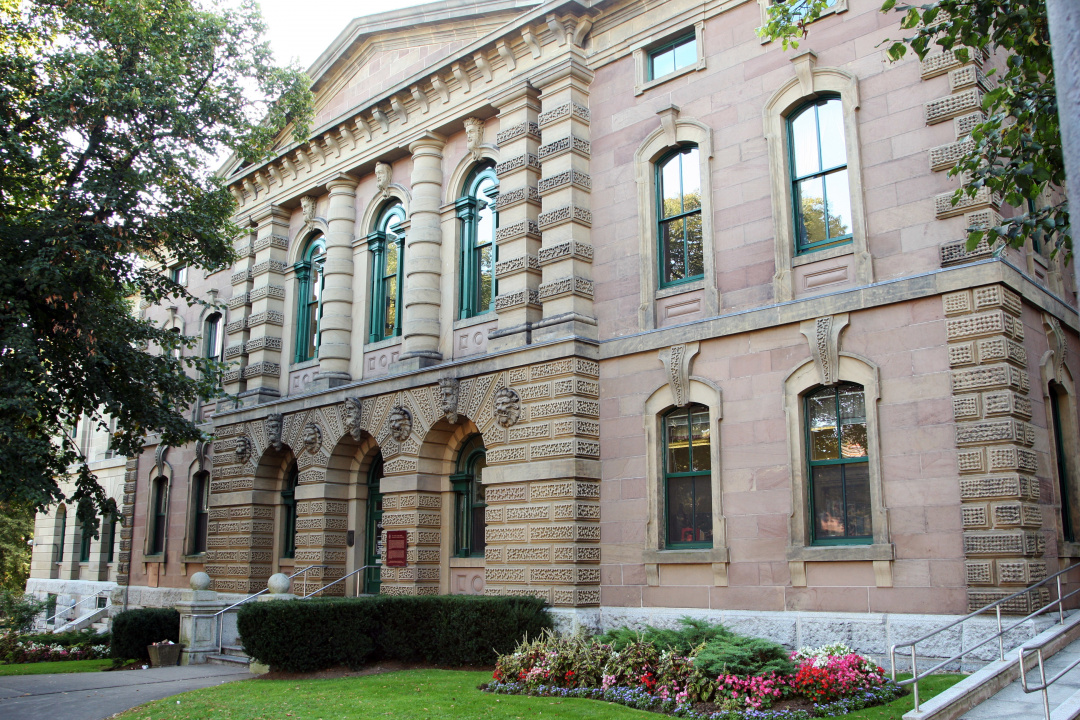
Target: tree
x=1017, y=150
x=110, y=111
x=16, y=530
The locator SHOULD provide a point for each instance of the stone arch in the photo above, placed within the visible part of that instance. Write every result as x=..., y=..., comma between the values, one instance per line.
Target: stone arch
x=378, y=202
x=455, y=186
x=300, y=241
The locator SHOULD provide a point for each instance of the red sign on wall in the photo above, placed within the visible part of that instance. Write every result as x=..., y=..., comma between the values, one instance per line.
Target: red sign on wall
x=397, y=545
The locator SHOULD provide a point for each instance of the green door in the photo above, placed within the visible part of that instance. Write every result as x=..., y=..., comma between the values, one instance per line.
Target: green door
x=372, y=549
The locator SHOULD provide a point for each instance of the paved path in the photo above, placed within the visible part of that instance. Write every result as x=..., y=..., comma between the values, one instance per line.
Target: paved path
x=97, y=695
x=1012, y=703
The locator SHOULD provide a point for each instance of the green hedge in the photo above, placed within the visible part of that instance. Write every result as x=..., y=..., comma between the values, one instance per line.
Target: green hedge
x=133, y=630
x=442, y=630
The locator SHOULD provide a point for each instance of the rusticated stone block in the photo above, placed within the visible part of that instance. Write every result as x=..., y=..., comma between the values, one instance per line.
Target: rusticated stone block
x=1003, y=542
x=998, y=296
x=979, y=572
x=1007, y=402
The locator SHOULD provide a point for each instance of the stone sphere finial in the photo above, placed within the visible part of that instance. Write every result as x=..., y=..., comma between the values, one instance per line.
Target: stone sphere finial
x=200, y=581
x=278, y=584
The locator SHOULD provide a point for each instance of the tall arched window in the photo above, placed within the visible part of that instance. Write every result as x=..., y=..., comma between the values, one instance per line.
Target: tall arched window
x=86, y=536
x=1058, y=398
x=309, y=292
x=819, y=175
x=678, y=212
x=288, y=500
x=201, y=520
x=688, y=477
x=469, y=499
x=111, y=542
x=159, y=506
x=374, y=526
x=836, y=442
x=387, y=245
x=61, y=531
x=213, y=337
x=476, y=211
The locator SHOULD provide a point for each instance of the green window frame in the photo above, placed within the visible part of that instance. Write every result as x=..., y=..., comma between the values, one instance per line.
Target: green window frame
x=202, y=513
x=479, y=220
x=159, y=512
x=837, y=449
x=688, y=477
x=178, y=274
x=469, y=504
x=678, y=212
x=288, y=501
x=1067, y=495
x=387, y=246
x=86, y=536
x=820, y=184
x=214, y=338
x=112, y=538
x=374, y=527
x=671, y=56
x=62, y=513
x=309, y=299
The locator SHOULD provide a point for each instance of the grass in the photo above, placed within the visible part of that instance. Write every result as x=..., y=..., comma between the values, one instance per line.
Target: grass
x=928, y=688
x=59, y=666
x=426, y=694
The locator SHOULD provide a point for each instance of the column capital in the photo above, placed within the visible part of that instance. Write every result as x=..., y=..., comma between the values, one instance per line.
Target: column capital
x=269, y=213
x=427, y=143
x=572, y=70
x=520, y=93
x=342, y=182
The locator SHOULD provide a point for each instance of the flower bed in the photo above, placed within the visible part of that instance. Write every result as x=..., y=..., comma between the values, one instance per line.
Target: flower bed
x=44, y=648
x=827, y=681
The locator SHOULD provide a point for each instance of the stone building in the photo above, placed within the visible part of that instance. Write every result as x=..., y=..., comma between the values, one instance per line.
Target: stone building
x=612, y=303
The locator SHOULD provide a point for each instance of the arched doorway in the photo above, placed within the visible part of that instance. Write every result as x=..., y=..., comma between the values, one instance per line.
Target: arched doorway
x=467, y=574
x=373, y=527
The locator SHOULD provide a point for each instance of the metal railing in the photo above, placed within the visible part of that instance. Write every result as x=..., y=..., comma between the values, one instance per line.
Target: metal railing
x=1044, y=684
x=70, y=608
x=355, y=572
x=999, y=635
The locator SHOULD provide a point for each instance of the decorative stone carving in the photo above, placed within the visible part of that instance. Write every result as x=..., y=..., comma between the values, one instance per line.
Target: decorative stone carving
x=312, y=437
x=274, y=423
x=1058, y=344
x=823, y=334
x=354, y=407
x=307, y=203
x=382, y=178
x=449, y=389
x=243, y=448
x=507, y=407
x=400, y=423
x=474, y=137
x=676, y=361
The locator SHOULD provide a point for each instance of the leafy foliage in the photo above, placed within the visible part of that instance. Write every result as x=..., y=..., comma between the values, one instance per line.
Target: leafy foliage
x=1017, y=150
x=133, y=630
x=110, y=111
x=17, y=611
x=16, y=531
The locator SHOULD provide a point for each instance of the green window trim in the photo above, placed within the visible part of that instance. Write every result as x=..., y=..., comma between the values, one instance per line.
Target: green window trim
x=63, y=531
x=288, y=500
x=160, y=515
x=836, y=173
x=469, y=505
x=698, y=471
x=213, y=337
x=387, y=273
x=1068, y=531
x=852, y=462
x=683, y=53
x=374, y=527
x=309, y=299
x=477, y=215
x=682, y=224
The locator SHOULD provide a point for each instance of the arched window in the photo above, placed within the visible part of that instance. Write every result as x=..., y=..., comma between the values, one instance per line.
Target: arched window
x=387, y=245
x=213, y=337
x=476, y=211
x=1058, y=398
x=202, y=512
x=288, y=500
x=158, y=510
x=86, y=536
x=469, y=499
x=61, y=531
x=688, y=477
x=678, y=212
x=836, y=441
x=178, y=351
x=373, y=545
x=111, y=542
x=309, y=292
x=819, y=175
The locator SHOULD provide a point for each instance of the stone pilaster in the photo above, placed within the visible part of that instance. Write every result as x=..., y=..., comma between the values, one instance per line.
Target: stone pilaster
x=335, y=343
x=127, y=521
x=1000, y=493
x=518, y=237
x=321, y=525
x=266, y=308
x=423, y=256
x=236, y=329
x=420, y=514
x=565, y=258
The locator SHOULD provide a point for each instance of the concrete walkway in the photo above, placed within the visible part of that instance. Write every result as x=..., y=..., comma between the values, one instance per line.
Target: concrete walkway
x=98, y=695
x=1012, y=703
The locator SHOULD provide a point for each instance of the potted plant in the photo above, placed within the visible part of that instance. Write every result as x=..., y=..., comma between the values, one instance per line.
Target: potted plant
x=164, y=654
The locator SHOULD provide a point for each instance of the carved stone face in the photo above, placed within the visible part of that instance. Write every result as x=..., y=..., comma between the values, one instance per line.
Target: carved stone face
x=307, y=203
x=312, y=437
x=400, y=423
x=507, y=407
x=273, y=430
x=243, y=448
x=382, y=176
x=352, y=410
x=474, y=135
x=448, y=387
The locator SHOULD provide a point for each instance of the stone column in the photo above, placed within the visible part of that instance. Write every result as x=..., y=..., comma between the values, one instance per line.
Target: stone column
x=566, y=290
x=998, y=487
x=239, y=309
x=127, y=521
x=335, y=344
x=518, y=237
x=198, y=632
x=423, y=257
x=266, y=309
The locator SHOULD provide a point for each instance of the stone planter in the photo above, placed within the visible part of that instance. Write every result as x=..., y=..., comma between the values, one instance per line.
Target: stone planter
x=164, y=655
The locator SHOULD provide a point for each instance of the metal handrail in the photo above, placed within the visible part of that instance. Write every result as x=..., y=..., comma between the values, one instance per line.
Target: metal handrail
x=341, y=579
x=220, y=614
x=69, y=608
x=999, y=635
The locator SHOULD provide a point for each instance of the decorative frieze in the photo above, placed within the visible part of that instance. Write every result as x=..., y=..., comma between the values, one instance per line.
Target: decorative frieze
x=565, y=214
x=527, y=160
x=570, y=143
x=521, y=130
x=566, y=110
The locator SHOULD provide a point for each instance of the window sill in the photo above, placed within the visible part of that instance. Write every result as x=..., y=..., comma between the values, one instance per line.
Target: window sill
x=380, y=344
x=1069, y=549
x=313, y=362
x=196, y=558
x=848, y=248
x=159, y=558
x=702, y=556
x=469, y=562
x=650, y=84
x=841, y=553
x=475, y=320
x=689, y=286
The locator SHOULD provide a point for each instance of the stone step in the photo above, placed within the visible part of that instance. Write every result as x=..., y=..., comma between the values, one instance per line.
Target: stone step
x=227, y=660
x=1068, y=710
x=234, y=650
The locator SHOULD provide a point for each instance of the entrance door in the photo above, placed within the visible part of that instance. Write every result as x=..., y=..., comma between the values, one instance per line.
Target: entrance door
x=373, y=542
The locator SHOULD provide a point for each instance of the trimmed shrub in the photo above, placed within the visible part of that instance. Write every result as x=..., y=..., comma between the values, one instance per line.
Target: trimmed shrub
x=133, y=630
x=445, y=630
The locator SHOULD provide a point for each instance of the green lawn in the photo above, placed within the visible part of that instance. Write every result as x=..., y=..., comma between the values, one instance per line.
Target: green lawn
x=427, y=694
x=60, y=666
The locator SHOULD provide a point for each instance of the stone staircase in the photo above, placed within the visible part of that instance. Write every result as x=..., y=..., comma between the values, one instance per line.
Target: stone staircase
x=97, y=618
x=229, y=655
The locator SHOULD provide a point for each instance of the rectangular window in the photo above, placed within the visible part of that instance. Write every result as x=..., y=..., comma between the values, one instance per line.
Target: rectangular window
x=179, y=274
x=839, y=469
x=688, y=478
x=673, y=56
